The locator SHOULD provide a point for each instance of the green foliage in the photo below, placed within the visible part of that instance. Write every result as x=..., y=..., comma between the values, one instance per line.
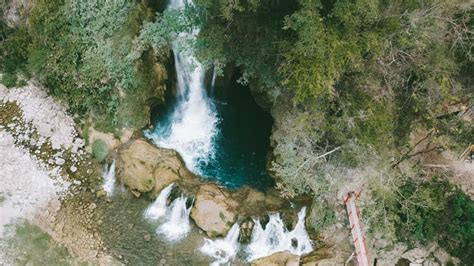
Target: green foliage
x=29, y=245
x=360, y=75
x=100, y=150
x=84, y=53
x=9, y=79
x=328, y=45
x=460, y=227
x=13, y=51
x=423, y=211
x=349, y=81
x=167, y=25
x=245, y=33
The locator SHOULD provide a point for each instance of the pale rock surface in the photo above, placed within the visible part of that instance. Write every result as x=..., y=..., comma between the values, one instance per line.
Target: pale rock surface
x=282, y=258
x=145, y=168
x=214, y=211
x=48, y=116
x=390, y=257
x=416, y=255
x=15, y=11
x=24, y=182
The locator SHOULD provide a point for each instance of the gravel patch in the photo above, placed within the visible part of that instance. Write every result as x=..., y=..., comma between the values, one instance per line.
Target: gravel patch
x=48, y=116
x=25, y=184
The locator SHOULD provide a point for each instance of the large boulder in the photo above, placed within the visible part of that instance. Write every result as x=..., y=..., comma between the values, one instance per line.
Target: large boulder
x=214, y=210
x=145, y=168
x=326, y=256
x=326, y=262
x=283, y=258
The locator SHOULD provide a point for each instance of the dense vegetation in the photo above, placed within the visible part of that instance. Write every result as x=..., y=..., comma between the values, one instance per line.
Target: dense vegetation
x=352, y=85
x=85, y=53
x=355, y=87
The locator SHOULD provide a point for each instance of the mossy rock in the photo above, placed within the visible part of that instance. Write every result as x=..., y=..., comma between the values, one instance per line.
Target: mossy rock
x=100, y=149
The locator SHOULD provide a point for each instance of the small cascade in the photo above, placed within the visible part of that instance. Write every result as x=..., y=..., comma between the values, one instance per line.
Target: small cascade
x=158, y=208
x=299, y=233
x=177, y=225
x=223, y=249
x=109, y=179
x=213, y=81
x=275, y=237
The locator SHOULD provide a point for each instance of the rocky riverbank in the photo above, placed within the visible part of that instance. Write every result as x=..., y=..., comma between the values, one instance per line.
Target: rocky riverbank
x=46, y=175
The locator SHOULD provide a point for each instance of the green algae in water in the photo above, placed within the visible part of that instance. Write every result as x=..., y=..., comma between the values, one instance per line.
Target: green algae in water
x=29, y=245
x=131, y=239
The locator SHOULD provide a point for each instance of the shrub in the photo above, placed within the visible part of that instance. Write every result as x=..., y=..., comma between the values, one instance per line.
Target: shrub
x=9, y=79
x=100, y=150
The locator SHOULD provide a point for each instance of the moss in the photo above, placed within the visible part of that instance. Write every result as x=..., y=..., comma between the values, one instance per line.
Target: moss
x=9, y=79
x=32, y=246
x=100, y=150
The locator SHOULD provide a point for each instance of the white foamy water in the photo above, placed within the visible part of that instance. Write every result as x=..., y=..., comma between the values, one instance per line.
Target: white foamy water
x=223, y=249
x=213, y=81
x=158, y=208
x=177, y=224
x=109, y=179
x=275, y=237
x=194, y=120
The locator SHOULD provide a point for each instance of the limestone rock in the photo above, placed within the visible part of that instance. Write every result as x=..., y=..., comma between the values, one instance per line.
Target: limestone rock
x=145, y=168
x=246, y=228
x=387, y=257
x=214, y=211
x=416, y=255
x=326, y=262
x=442, y=256
x=325, y=256
x=283, y=258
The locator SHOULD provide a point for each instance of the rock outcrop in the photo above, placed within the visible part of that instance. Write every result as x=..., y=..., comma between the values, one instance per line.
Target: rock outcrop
x=283, y=258
x=214, y=210
x=145, y=168
x=430, y=255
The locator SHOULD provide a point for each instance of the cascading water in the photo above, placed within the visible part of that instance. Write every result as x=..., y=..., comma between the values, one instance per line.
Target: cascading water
x=213, y=80
x=177, y=225
x=109, y=179
x=158, y=208
x=225, y=137
x=193, y=121
x=275, y=237
x=223, y=249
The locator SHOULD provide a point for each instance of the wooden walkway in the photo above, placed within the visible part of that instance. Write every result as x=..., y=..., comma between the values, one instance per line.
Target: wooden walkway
x=358, y=236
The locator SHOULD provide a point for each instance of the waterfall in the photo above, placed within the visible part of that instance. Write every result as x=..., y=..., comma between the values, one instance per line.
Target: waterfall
x=158, y=208
x=299, y=233
x=194, y=120
x=177, y=224
x=223, y=249
x=109, y=179
x=213, y=81
x=275, y=237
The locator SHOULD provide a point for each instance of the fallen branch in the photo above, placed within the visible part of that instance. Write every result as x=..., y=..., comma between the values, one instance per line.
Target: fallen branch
x=436, y=165
x=407, y=154
x=316, y=158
